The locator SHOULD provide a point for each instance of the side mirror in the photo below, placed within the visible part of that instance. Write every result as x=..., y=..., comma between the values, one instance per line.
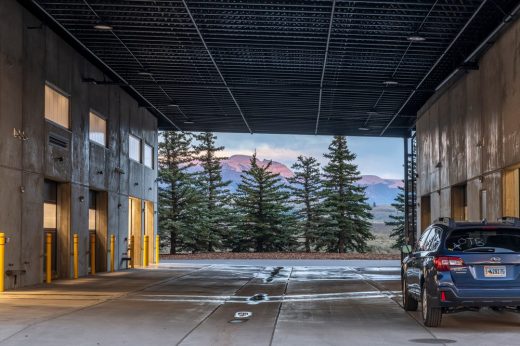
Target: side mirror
x=406, y=249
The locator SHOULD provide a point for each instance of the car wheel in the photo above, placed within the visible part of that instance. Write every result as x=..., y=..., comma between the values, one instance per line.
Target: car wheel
x=409, y=302
x=432, y=316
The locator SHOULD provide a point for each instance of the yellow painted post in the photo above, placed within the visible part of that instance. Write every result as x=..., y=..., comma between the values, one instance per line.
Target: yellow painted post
x=76, y=255
x=48, y=254
x=131, y=251
x=112, y=251
x=2, y=261
x=92, y=254
x=157, y=249
x=145, y=252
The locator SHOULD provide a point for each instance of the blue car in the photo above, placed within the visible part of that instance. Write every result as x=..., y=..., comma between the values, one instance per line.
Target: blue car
x=460, y=266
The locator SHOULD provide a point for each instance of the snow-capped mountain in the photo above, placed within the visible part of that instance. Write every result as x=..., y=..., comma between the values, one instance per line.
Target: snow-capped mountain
x=380, y=191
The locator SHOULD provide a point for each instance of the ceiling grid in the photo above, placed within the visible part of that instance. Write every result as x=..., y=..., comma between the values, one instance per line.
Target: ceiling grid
x=359, y=67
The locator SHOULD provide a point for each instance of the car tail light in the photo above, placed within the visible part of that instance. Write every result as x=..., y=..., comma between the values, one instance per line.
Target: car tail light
x=444, y=263
x=443, y=296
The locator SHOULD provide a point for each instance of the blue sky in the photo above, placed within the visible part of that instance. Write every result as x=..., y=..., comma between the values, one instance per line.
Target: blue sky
x=378, y=156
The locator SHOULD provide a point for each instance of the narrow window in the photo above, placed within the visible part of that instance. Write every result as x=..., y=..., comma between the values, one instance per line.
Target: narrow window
x=459, y=203
x=98, y=129
x=92, y=225
x=148, y=155
x=56, y=107
x=134, y=148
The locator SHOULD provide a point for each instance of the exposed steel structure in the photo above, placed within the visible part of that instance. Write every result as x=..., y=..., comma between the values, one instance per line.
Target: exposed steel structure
x=361, y=67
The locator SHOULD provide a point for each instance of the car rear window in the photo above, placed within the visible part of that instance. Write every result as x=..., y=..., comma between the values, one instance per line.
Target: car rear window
x=485, y=240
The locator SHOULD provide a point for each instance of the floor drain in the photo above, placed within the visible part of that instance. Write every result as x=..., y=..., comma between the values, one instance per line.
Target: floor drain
x=258, y=297
x=433, y=341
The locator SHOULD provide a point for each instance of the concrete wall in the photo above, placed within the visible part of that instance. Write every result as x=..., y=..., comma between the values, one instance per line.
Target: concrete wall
x=30, y=56
x=469, y=132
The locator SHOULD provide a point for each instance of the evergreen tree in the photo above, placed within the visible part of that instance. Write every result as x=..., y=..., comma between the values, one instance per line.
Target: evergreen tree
x=397, y=221
x=306, y=187
x=265, y=220
x=178, y=199
x=347, y=227
x=214, y=190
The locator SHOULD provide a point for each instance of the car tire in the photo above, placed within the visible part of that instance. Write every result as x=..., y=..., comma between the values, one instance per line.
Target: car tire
x=409, y=302
x=432, y=316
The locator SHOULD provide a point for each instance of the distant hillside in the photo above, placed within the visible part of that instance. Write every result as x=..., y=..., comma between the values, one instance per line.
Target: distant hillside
x=380, y=191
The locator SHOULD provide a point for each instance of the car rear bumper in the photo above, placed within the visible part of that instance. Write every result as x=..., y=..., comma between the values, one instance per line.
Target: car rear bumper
x=479, y=297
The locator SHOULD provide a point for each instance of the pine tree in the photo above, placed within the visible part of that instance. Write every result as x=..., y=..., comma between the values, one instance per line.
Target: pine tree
x=265, y=220
x=397, y=221
x=178, y=199
x=347, y=227
x=214, y=189
x=306, y=188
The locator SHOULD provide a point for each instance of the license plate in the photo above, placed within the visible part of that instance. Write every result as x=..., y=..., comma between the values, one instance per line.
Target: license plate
x=495, y=271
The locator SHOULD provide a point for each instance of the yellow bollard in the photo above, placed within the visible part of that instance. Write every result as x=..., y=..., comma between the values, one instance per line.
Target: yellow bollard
x=145, y=251
x=157, y=249
x=92, y=254
x=48, y=254
x=112, y=251
x=2, y=261
x=131, y=247
x=76, y=255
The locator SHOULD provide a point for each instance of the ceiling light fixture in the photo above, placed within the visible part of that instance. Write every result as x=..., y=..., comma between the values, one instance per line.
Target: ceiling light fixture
x=390, y=82
x=363, y=128
x=172, y=105
x=102, y=26
x=144, y=73
x=189, y=122
x=416, y=38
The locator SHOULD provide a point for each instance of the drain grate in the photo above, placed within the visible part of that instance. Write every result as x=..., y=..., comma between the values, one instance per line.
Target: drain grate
x=258, y=297
x=433, y=341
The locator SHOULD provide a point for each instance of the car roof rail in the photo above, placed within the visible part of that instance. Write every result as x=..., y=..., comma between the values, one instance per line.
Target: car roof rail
x=510, y=220
x=448, y=221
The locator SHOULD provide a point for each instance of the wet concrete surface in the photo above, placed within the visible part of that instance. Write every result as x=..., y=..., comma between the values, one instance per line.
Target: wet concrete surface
x=193, y=304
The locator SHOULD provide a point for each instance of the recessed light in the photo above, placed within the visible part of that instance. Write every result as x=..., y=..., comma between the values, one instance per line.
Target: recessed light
x=144, y=73
x=390, y=82
x=373, y=112
x=416, y=38
x=363, y=128
x=172, y=105
x=103, y=26
x=189, y=122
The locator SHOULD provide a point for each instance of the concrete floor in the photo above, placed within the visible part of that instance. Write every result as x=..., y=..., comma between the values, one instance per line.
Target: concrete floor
x=193, y=304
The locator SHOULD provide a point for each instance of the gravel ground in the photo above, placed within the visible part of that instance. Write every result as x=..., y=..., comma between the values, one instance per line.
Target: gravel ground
x=281, y=256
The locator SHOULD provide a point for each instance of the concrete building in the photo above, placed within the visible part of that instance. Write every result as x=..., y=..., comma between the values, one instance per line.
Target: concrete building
x=468, y=140
x=78, y=150
x=75, y=158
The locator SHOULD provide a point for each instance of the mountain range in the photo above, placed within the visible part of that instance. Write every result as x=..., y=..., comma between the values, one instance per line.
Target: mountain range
x=378, y=190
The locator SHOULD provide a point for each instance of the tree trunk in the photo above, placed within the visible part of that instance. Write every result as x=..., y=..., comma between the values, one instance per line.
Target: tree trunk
x=341, y=243
x=173, y=243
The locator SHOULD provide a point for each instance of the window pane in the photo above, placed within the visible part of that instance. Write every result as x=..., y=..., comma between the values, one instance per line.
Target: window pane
x=49, y=215
x=92, y=219
x=499, y=240
x=134, y=148
x=56, y=107
x=98, y=129
x=148, y=155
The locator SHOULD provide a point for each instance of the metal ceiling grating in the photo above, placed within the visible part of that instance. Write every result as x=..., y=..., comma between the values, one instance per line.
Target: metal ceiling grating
x=281, y=66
